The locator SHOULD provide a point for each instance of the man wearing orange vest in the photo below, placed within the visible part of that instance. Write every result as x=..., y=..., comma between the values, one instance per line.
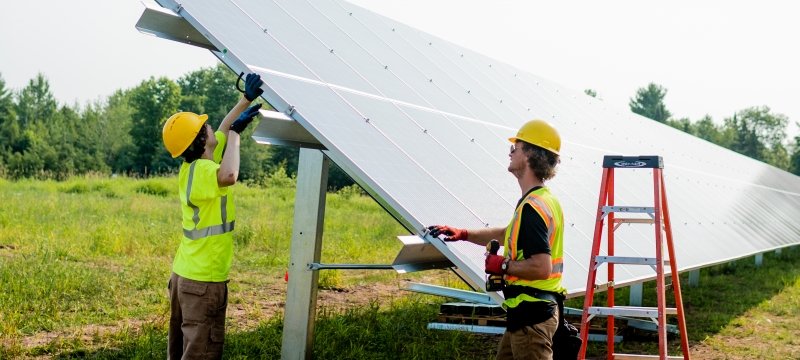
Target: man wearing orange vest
x=531, y=263
x=199, y=283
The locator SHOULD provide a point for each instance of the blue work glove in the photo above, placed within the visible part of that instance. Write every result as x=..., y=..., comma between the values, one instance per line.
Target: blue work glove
x=245, y=118
x=252, y=86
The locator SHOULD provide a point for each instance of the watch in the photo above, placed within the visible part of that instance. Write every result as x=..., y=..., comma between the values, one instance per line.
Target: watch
x=504, y=266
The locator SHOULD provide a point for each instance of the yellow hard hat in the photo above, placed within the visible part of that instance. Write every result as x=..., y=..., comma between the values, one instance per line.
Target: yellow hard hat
x=540, y=133
x=180, y=130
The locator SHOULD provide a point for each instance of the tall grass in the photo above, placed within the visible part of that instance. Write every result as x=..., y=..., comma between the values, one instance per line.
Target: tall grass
x=88, y=260
x=99, y=251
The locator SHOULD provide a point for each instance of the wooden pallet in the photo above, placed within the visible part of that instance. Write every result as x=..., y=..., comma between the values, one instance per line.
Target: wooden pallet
x=499, y=321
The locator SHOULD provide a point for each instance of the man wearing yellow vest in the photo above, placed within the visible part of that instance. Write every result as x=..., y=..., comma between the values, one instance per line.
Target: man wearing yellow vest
x=198, y=286
x=532, y=261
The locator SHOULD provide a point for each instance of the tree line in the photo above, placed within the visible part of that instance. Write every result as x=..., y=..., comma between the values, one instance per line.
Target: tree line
x=122, y=135
x=756, y=131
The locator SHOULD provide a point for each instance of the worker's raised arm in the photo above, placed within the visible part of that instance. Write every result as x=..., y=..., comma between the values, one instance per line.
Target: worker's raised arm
x=252, y=90
x=228, y=171
x=475, y=236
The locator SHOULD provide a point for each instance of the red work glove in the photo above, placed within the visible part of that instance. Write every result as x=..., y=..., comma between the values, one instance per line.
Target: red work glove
x=494, y=264
x=450, y=233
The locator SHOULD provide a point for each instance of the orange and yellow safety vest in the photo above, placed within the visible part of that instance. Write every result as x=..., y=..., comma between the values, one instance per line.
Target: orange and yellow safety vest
x=548, y=207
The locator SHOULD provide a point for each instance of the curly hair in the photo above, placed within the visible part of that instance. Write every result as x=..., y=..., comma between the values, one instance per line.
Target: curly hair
x=541, y=161
x=197, y=148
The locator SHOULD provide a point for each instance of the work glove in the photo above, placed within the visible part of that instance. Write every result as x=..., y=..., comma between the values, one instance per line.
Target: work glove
x=450, y=233
x=494, y=264
x=245, y=118
x=252, y=86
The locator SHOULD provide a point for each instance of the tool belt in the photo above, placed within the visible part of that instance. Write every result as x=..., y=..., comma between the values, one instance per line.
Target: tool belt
x=529, y=313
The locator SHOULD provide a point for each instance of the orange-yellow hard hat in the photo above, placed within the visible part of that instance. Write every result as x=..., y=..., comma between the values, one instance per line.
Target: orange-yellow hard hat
x=180, y=130
x=539, y=133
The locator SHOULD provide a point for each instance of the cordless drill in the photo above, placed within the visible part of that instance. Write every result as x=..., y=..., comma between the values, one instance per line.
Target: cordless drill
x=494, y=282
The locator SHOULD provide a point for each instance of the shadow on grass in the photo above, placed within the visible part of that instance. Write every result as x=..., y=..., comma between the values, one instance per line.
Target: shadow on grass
x=398, y=332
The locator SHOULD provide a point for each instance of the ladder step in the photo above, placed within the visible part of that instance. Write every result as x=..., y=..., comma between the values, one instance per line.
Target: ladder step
x=627, y=260
x=634, y=311
x=633, y=221
x=629, y=209
x=635, y=357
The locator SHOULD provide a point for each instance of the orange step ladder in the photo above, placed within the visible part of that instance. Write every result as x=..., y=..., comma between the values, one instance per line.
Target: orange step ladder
x=659, y=216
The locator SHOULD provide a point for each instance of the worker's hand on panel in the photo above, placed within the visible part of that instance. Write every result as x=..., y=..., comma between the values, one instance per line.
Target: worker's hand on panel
x=252, y=86
x=450, y=233
x=245, y=118
x=495, y=264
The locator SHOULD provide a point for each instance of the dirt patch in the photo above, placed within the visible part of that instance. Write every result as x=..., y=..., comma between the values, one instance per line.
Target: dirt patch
x=88, y=334
x=252, y=306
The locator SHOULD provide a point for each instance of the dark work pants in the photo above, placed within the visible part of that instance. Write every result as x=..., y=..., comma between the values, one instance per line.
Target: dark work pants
x=197, y=320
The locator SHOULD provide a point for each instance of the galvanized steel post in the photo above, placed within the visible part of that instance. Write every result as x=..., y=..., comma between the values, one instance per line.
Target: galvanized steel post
x=301, y=296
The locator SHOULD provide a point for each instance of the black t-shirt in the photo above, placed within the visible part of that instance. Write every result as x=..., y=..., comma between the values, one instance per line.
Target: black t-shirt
x=532, y=237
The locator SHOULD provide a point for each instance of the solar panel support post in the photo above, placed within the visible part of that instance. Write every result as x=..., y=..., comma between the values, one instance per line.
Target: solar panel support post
x=306, y=246
x=759, y=259
x=694, y=278
x=636, y=294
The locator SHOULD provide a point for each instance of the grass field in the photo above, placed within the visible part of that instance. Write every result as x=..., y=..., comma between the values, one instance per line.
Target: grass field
x=84, y=265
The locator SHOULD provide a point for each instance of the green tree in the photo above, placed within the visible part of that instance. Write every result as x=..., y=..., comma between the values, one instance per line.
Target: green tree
x=649, y=102
x=32, y=152
x=705, y=128
x=758, y=134
x=153, y=101
x=794, y=160
x=209, y=91
x=60, y=132
x=9, y=125
x=92, y=135
x=36, y=101
x=778, y=157
x=116, y=123
x=682, y=124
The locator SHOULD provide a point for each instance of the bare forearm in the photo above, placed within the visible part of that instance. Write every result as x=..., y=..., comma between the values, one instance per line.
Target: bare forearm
x=483, y=236
x=537, y=267
x=233, y=114
x=229, y=168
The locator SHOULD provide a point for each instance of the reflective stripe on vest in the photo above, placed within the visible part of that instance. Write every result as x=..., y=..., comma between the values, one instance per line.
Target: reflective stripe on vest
x=548, y=208
x=196, y=233
x=211, y=230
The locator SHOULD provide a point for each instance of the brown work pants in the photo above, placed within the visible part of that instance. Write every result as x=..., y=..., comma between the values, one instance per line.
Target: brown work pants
x=529, y=343
x=197, y=320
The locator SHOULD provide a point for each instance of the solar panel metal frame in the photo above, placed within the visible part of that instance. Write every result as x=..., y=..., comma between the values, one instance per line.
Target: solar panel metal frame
x=738, y=206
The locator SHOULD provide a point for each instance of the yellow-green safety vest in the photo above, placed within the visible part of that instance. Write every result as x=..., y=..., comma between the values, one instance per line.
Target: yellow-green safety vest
x=206, y=249
x=548, y=207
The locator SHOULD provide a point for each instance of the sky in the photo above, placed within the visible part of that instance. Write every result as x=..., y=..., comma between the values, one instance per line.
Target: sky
x=713, y=57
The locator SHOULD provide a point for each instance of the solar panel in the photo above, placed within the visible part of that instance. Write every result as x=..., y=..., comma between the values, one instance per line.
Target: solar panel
x=422, y=125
